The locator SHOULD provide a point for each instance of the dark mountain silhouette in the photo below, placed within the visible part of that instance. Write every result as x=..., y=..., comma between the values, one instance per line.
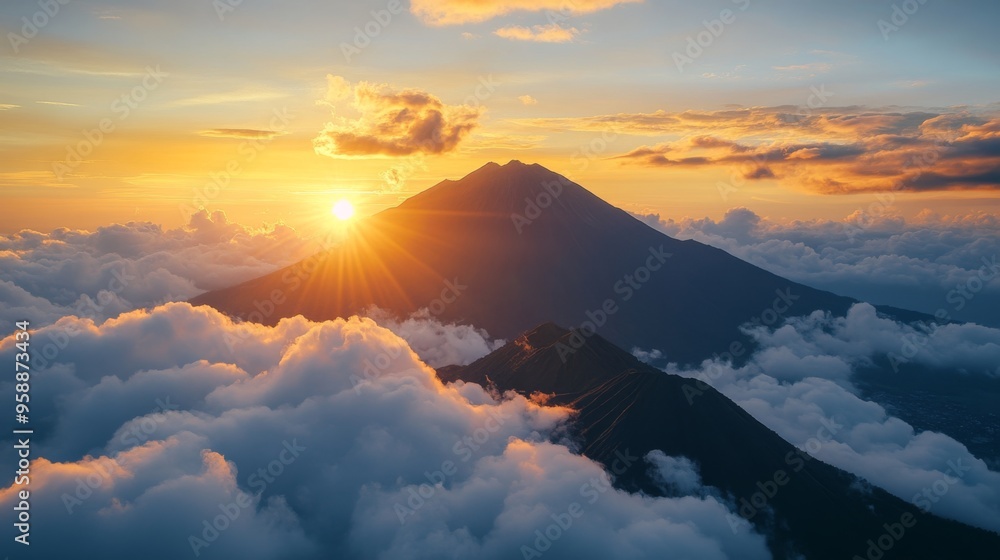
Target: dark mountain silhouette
x=518, y=245
x=625, y=407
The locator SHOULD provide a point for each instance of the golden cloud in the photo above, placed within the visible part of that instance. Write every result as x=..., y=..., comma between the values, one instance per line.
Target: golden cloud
x=453, y=12
x=394, y=123
x=834, y=151
x=553, y=33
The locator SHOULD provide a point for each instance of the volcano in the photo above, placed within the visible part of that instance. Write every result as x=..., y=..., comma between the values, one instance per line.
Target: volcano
x=509, y=247
x=626, y=409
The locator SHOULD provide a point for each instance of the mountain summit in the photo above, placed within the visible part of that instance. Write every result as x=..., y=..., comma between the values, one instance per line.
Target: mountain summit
x=513, y=246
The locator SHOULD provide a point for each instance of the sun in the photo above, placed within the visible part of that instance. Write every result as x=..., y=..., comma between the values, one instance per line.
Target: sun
x=343, y=210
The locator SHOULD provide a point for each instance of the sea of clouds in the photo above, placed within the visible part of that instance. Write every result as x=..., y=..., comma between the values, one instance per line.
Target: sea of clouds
x=172, y=431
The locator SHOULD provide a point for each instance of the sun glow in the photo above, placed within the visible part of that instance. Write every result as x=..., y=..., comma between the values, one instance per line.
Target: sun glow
x=343, y=210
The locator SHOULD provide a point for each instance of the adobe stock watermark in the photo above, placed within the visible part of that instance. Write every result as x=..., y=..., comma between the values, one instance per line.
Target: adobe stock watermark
x=86, y=308
x=465, y=449
x=246, y=153
x=121, y=108
x=900, y=16
x=925, y=500
x=768, y=317
x=213, y=528
x=959, y=297
x=625, y=289
x=817, y=98
x=453, y=289
x=884, y=201
x=767, y=489
x=590, y=492
x=33, y=25
x=535, y=206
x=136, y=436
x=365, y=34
x=714, y=28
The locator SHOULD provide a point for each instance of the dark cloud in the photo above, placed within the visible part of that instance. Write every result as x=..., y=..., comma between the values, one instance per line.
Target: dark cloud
x=838, y=150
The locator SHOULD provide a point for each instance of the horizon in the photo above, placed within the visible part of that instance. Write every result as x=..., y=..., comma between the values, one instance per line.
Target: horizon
x=499, y=280
x=274, y=136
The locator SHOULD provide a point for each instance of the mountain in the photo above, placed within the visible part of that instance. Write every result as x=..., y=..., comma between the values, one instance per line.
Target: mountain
x=509, y=247
x=627, y=408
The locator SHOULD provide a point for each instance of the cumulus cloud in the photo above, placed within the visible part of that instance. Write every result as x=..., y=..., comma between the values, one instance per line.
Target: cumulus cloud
x=316, y=440
x=117, y=268
x=393, y=122
x=527, y=100
x=799, y=384
x=437, y=344
x=928, y=263
x=839, y=150
x=452, y=12
x=551, y=33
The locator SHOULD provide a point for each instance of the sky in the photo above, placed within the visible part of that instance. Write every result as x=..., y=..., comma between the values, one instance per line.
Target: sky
x=148, y=111
x=153, y=151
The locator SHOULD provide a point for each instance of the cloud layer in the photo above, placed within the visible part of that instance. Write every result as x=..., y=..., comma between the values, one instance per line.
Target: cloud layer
x=927, y=263
x=799, y=384
x=117, y=268
x=175, y=432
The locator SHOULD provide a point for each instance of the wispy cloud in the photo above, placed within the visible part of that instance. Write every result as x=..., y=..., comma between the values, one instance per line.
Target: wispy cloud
x=58, y=103
x=552, y=33
x=219, y=98
x=452, y=12
x=240, y=133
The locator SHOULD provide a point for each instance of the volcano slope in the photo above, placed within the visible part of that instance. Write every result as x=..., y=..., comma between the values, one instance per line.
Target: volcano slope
x=509, y=247
x=625, y=409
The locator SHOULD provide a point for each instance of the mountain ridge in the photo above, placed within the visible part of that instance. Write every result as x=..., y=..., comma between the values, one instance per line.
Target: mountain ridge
x=567, y=258
x=625, y=406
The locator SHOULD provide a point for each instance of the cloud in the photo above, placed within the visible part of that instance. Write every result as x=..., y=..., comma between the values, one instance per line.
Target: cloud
x=240, y=133
x=527, y=100
x=552, y=33
x=438, y=344
x=316, y=440
x=926, y=263
x=675, y=475
x=799, y=381
x=839, y=150
x=810, y=68
x=395, y=123
x=120, y=267
x=453, y=12
x=237, y=96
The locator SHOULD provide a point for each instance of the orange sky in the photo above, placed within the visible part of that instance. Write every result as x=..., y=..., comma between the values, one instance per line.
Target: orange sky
x=288, y=111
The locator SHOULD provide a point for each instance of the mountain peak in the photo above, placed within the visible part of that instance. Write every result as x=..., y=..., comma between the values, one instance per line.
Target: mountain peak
x=529, y=246
x=544, y=335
